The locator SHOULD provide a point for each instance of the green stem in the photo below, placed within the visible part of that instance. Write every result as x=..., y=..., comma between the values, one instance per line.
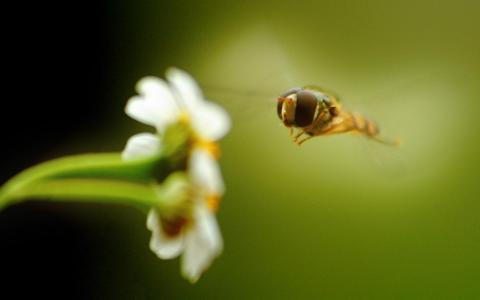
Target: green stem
x=104, y=172
x=87, y=190
x=105, y=177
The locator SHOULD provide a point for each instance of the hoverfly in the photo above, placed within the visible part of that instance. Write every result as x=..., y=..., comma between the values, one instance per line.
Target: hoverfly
x=315, y=112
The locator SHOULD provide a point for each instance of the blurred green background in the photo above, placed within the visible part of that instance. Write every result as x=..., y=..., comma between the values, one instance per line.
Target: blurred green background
x=340, y=217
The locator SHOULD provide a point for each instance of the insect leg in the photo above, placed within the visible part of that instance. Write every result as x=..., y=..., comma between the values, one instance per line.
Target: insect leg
x=295, y=139
x=304, y=140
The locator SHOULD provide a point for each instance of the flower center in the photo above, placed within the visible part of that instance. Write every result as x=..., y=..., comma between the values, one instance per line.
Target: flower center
x=173, y=227
x=184, y=117
x=207, y=145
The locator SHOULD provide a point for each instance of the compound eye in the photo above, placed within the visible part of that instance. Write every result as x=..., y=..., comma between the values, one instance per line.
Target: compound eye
x=306, y=106
x=290, y=92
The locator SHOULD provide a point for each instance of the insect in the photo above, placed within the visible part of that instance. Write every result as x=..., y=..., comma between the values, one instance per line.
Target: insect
x=315, y=112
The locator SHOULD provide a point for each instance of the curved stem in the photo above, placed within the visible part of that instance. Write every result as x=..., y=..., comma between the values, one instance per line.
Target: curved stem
x=86, y=190
x=84, y=177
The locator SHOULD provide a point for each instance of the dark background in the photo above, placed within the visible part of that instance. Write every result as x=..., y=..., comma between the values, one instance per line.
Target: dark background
x=54, y=82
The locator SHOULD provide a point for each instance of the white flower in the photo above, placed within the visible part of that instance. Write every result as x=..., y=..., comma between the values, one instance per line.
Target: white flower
x=200, y=241
x=160, y=104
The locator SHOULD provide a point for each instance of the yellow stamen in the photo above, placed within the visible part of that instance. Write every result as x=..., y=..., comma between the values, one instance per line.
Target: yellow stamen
x=213, y=203
x=209, y=146
x=184, y=117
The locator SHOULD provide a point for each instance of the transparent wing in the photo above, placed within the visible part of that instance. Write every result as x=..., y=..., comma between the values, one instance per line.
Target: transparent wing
x=253, y=106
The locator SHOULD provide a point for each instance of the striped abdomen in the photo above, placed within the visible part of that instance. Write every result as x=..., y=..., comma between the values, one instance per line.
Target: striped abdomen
x=364, y=125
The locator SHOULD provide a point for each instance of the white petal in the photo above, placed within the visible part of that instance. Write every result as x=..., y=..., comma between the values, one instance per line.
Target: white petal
x=155, y=106
x=163, y=246
x=141, y=145
x=205, y=172
x=203, y=244
x=155, y=88
x=186, y=87
x=210, y=121
x=152, y=111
